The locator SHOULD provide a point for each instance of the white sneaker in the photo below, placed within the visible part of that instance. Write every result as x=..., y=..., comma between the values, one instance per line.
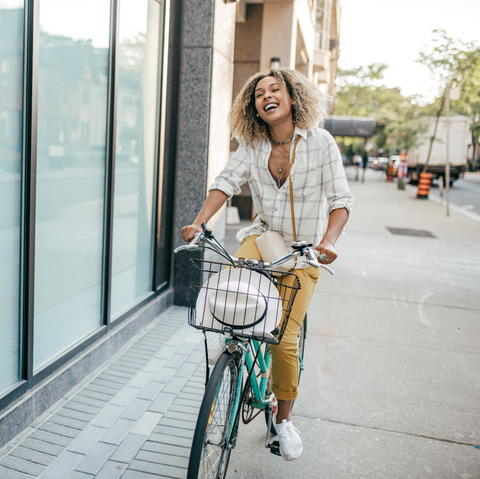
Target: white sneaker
x=290, y=443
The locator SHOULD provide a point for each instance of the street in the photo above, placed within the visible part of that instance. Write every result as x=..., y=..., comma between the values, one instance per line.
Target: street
x=464, y=194
x=391, y=384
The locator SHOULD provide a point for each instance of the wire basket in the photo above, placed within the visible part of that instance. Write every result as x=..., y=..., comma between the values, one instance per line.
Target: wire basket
x=240, y=301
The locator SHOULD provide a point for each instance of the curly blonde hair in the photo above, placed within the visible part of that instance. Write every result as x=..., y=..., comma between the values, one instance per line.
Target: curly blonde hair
x=307, y=110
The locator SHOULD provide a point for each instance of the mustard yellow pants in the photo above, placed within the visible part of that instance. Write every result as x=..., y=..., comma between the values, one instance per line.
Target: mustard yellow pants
x=285, y=355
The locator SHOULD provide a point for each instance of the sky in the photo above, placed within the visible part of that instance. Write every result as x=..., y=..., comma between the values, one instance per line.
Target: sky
x=395, y=31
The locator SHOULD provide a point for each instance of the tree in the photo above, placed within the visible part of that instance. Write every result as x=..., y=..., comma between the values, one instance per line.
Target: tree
x=454, y=64
x=398, y=122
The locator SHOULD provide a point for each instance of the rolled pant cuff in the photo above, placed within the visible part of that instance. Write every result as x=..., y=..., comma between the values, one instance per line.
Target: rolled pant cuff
x=284, y=395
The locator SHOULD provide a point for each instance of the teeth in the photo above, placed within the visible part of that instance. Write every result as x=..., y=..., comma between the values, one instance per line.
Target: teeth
x=269, y=107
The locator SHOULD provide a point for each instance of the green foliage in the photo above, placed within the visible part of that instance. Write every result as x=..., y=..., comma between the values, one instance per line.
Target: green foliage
x=398, y=122
x=455, y=64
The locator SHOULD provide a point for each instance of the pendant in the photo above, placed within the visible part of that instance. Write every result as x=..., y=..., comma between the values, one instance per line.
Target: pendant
x=280, y=170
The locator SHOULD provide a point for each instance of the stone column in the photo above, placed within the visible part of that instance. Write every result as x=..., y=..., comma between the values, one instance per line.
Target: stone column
x=205, y=95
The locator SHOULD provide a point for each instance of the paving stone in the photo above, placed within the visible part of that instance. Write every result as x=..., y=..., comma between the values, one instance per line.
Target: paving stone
x=79, y=475
x=147, y=422
x=108, y=416
x=125, y=396
x=51, y=438
x=182, y=416
x=136, y=409
x=158, y=469
x=159, y=458
x=175, y=407
x=174, y=431
x=161, y=402
x=197, y=357
x=44, y=447
x=164, y=375
x=60, y=430
x=151, y=390
x=191, y=402
x=141, y=379
x=111, y=470
x=6, y=473
x=100, y=389
x=95, y=395
x=21, y=465
x=125, y=369
x=68, y=421
x=138, y=475
x=167, y=439
x=166, y=421
x=84, y=408
x=100, y=404
x=138, y=353
x=96, y=458
x=85, y=441
x=165, y=448
x=175, y=385
x=118, y=431
x=186, y=370
x=176, y=361
x=155, y=365
x=75, y=414
x=107, y=384
x=63, y=466
x=33, y=456
x=117, y=374
x=128, y=448
x=166, y=352
x=192, y=397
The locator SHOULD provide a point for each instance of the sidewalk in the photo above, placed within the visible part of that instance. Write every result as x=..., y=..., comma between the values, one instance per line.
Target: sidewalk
x=134, y=417
x=472, y=176
x=390, y=389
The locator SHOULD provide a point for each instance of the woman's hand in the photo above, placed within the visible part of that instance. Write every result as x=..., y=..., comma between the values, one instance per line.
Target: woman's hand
x=327, y=251
x=188, y=232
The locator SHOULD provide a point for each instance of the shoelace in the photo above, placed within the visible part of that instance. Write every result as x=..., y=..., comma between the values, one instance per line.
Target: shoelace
x=286, y=429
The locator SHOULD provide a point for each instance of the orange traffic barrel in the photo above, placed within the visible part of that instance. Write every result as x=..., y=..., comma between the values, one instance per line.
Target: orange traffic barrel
x=424, y=185
x=390, y=172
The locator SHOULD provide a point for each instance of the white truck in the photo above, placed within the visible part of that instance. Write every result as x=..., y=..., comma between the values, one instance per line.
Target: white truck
x=459, y=141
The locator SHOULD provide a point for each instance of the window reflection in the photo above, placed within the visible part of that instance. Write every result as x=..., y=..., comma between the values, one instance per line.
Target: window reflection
x=11, y=79
x=139, y=53
x=72, y=100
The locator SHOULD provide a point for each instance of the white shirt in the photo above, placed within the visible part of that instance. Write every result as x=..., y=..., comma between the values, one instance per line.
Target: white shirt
x=319, y=187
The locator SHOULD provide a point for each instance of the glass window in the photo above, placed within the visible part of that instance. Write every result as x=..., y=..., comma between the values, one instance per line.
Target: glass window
x=319, y=24
x=138, y=63
x=72, y=111
x=11, y=80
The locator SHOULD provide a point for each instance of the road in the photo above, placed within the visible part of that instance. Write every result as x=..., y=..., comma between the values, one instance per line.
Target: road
x=464, y=194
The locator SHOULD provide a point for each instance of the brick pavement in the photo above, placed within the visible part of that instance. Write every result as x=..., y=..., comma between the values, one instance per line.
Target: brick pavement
x=132, y=418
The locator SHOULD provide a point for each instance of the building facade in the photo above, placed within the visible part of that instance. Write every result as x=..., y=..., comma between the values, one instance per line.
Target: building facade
x=112, y=126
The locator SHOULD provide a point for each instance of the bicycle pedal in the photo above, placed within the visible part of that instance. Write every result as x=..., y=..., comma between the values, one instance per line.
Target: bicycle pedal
x=275, y=448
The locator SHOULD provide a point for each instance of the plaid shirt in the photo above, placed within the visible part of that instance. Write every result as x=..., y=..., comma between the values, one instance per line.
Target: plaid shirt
x=319, y=187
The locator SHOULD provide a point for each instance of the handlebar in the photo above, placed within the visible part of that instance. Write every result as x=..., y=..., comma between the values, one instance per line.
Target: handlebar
x=206, y=240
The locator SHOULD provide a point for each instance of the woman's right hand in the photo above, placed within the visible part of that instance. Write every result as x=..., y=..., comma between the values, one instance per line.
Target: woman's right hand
x=188, y=232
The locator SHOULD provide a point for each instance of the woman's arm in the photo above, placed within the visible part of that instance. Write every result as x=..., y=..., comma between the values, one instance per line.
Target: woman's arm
x=215, y=200
x=337, y=221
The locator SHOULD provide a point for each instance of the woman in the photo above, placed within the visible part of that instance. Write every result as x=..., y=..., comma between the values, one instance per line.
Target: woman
x=271, y=113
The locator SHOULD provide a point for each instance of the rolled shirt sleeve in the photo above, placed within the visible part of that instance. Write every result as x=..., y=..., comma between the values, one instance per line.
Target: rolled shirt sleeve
x=334, y=181
x=234, y=175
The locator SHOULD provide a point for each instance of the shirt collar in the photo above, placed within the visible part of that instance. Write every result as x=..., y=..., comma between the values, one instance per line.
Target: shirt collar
x=300, y=131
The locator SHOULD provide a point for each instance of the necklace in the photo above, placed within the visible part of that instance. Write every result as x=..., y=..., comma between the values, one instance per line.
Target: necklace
x=281, y=143
x=280, y=169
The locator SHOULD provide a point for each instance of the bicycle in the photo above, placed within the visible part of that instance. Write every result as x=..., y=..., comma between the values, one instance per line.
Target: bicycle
x=245, y=301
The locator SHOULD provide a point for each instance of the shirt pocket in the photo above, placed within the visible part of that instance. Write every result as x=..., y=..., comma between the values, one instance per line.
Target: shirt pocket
x=304, y=181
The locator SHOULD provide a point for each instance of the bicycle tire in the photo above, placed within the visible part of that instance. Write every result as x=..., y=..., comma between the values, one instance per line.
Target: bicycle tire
x=302, y=338
x=210, y=455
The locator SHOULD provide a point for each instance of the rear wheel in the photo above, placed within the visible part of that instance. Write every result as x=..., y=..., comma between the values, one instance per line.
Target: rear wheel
x=210, y=452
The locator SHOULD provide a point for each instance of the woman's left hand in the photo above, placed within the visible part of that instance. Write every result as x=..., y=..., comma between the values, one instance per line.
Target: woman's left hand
x=327, y=251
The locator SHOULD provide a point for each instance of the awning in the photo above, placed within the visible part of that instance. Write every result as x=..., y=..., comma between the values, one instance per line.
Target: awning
x=350, y=126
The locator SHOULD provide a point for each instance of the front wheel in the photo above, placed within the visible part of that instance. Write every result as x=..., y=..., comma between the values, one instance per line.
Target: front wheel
x=210, y=452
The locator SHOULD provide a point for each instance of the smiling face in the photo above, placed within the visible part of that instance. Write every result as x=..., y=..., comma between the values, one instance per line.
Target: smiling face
x=272, y=103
